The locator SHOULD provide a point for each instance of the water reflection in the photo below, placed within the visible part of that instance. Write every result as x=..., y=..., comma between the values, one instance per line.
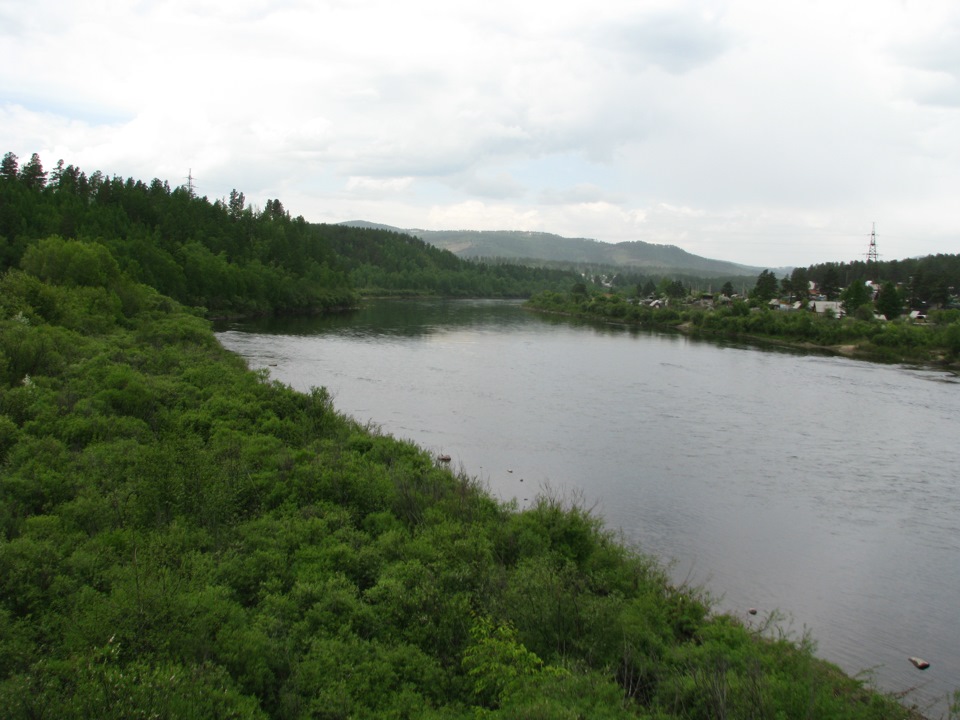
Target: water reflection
x=377, y=318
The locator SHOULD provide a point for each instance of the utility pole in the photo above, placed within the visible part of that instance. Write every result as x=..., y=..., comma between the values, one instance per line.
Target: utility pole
x=872, y=251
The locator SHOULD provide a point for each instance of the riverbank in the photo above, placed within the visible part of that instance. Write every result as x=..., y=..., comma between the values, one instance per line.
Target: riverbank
x=935, y=345
x=185, y=537
x=870, y=353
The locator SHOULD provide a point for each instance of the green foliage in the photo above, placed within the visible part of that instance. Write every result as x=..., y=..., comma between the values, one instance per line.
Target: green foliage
x=855, y=296
x=675, y=290
x=830, y=282
x=350, y=677
x=889, y=302
x=799, y=284
x=100, y=684
x=10, y=167
x=926, y=281
x=766, y=287
x=938, y=340
x=499, y=664
x=224, y=256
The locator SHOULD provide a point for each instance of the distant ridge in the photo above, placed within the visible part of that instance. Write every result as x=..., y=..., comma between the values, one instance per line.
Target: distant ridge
x=547, y=247
x=373, y=226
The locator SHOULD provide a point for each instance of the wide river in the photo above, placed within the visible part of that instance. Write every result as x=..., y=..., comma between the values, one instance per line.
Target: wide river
x=820, y=487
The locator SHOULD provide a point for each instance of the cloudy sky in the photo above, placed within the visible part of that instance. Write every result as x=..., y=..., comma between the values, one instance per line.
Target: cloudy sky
x=767, y=133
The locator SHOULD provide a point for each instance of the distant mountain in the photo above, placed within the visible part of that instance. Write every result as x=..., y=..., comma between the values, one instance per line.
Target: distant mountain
x=547, y=247
x=374, y=226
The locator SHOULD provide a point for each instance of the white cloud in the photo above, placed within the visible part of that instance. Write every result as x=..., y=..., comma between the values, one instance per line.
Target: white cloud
x=676, y=41
x=378, y=186
x=477, y=215
x=783, y=129
x=578, y=194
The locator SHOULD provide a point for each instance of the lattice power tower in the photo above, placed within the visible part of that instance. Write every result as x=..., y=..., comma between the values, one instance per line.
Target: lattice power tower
x=872, y=251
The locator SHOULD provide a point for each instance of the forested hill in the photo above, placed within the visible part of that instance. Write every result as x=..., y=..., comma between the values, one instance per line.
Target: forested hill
x=516, y=245
x=230, y=257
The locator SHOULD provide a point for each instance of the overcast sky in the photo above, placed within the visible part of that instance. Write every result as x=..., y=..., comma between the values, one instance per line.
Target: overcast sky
x=767, y=133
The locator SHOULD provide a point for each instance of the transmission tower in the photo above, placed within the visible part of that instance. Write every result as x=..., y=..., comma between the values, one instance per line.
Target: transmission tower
x=872, y=251
x=190, y=186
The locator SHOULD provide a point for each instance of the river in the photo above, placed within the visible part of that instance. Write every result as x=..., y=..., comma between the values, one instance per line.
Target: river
x=819, y=487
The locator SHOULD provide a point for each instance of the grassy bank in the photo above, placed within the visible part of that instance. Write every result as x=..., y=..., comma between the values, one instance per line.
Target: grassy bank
x=181, y=537
x=935, y=342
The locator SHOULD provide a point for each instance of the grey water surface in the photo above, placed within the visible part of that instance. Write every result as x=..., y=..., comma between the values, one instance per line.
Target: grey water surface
x=821, y=487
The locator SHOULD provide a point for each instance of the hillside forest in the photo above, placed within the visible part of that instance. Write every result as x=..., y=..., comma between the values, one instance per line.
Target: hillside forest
x=230, y=257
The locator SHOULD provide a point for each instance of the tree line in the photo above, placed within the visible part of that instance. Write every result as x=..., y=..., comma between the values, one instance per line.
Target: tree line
x=920, y=283
x=230, y=257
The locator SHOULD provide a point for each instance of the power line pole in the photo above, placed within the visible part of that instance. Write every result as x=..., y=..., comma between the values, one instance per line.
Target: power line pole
x=872, y=251
x=190, y=186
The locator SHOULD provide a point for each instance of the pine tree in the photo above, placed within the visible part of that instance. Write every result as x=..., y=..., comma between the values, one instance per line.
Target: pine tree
x=32, y=174
x=10, y=166
x=889, y=302
x=766, y=287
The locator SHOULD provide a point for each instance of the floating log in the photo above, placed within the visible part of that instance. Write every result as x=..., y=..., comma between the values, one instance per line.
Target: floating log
x=919, y=663
x=443, y=458
x=752, y=611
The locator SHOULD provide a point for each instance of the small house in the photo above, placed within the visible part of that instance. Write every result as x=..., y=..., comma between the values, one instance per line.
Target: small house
x=822, y=307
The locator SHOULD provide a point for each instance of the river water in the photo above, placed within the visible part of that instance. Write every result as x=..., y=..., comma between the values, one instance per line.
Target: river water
x=820, y=487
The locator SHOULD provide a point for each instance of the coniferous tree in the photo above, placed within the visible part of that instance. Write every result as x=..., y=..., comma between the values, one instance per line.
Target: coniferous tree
x=236, y=204
x=32, y=174
x=786, y=286
x=830, y=285
x=766, y=287
x=56, y=175
x=800, y=284
x=854, y=296
x=10, y=166
x=676, y=290
x=889, y=302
